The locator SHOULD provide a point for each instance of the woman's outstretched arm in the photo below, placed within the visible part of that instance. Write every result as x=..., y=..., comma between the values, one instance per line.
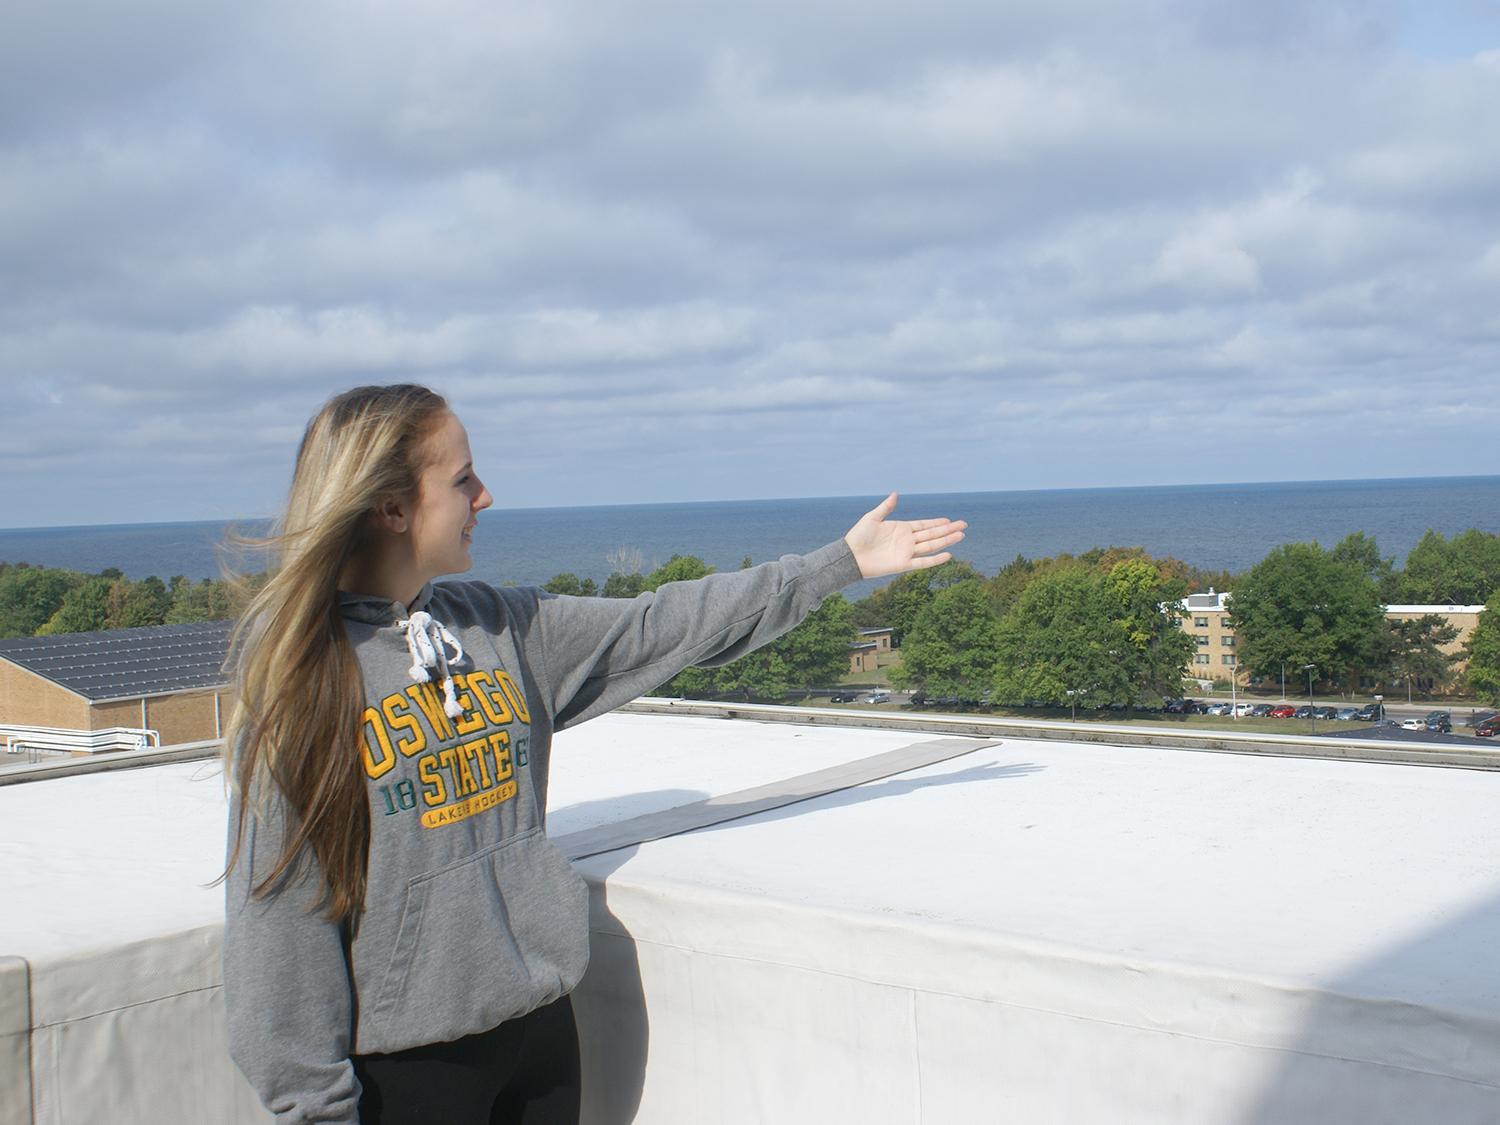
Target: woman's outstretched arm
x=601, y=652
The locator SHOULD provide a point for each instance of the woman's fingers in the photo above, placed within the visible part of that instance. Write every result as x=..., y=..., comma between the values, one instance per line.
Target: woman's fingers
x=926, y=561
x=884, y=508
x=934, y=529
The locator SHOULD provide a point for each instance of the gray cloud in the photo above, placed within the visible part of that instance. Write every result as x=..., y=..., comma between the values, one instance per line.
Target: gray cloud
x=672, y=250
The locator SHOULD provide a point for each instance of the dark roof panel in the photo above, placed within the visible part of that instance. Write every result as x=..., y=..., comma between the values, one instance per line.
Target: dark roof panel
x=128, y=662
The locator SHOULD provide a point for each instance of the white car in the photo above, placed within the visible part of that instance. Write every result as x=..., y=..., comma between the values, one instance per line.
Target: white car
x=1243, y=709
x=1414, y=724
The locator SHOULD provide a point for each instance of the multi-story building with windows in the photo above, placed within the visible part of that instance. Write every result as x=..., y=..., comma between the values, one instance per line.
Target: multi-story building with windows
x=1205, y=617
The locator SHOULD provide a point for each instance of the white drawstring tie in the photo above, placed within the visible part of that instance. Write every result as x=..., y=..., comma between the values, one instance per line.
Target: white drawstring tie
x=427, y=640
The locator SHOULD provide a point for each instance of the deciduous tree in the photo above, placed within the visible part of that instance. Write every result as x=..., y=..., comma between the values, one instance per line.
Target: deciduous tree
x=952, y=646
x=31, y=595
x=1417, y=649
x=1483, y=651
x=1109, y=637
x=1462, y=571
x=816, y=652
x=570, y=584
x=1303, y=605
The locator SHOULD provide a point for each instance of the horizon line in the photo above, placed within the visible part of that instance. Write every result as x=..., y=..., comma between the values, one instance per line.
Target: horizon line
x=845, y=496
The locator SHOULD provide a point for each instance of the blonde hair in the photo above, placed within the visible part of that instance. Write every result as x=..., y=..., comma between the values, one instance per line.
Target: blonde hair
x=295, y=725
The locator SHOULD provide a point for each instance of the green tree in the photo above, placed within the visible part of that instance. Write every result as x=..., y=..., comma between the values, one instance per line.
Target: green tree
x=1110, y=637
x=133, y=605
x=1417, y=649
x=816, y=652
x=952, y=645
x=679, y=568
x=1303, y=605
x=1483, y=652
x=570, y=584
x=1461, y=571
x=1146, y=635
x=31, y=595
x=622, y=585
x=204, y=600
x=897, y=603
x=1359, y=550
x=1053, y=643
x=84, y=609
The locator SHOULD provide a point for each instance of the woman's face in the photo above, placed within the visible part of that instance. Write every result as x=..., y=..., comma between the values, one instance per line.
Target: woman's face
x=450, y=497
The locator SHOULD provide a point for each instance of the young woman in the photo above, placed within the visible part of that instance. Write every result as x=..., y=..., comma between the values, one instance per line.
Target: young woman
x=400, y=936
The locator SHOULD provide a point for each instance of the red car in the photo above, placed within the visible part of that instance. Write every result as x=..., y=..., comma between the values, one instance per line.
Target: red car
x=1489, y=728
x=1284, y=711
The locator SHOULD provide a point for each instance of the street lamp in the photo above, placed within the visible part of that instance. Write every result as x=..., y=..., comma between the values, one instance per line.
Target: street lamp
x=1312, y=712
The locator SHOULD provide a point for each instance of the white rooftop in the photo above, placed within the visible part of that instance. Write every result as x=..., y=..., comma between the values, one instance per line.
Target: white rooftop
x=1070, y=932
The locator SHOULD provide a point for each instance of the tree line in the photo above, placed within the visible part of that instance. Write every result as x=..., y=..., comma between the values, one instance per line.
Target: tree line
x=38, y=601
x=1100, y=627
x=1104, y=627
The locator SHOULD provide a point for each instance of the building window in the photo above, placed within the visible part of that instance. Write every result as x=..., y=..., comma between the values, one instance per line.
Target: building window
x=1229, y=641
x=1201, y=658
x=1227, y=658
x=1201, y=622
x=1202, y=641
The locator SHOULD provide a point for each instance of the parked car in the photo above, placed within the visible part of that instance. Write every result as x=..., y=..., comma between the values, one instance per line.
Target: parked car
x=878, y=697
x=1217, y=709
x=1243, y=710
x=1261, y=710
x=1327, y=712
x=1176, y=706
x=1488, y=728
x=1347, y=714
x=1285, y=711
x=1439, y=721
x=841, y=697
x=1413, y=724
x=1306, y=711
x=1371, y=713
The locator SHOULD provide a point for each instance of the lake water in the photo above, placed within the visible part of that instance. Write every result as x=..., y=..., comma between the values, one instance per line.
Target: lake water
x=1229, y=526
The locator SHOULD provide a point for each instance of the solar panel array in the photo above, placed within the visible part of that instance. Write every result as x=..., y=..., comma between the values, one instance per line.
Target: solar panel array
x=128, y=662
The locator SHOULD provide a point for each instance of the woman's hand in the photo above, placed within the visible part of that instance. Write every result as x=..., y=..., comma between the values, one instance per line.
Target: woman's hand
x=884, y=546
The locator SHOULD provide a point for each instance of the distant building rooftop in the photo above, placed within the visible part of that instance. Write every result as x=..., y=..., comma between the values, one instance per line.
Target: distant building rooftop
x=127, y=663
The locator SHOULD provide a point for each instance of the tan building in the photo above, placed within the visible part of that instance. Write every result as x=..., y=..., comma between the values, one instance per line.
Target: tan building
x=166, y=678
x=1205, y=617
x=865, y=654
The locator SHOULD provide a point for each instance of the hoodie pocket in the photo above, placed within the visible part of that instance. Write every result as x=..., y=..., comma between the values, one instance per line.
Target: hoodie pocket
x=479, y=942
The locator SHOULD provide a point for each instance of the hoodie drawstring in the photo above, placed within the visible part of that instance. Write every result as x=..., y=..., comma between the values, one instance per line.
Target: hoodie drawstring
x=427, y=640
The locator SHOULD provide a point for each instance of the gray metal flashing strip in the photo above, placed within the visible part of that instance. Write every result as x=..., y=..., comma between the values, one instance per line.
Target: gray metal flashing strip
x=223, y=685
x=15, y=1042
x=107, y=760
x=748, y=802
x=1164, y=738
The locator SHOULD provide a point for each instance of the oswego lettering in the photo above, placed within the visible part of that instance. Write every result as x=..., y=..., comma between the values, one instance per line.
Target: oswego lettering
x=456, y=776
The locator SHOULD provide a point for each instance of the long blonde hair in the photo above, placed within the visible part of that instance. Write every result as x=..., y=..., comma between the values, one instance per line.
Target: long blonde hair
x=295, y=725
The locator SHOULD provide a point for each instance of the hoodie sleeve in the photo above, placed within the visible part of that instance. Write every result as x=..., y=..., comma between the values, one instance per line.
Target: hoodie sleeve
x=601, y=652
x=286, y=985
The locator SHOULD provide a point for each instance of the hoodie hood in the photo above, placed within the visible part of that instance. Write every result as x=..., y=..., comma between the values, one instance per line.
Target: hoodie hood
x=432, y=646
x=373, y=609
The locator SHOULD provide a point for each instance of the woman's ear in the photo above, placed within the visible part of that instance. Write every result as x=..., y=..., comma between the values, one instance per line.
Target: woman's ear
x=392, y=516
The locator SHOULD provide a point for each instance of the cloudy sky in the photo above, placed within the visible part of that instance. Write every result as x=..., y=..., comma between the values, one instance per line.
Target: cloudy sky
x=682, y=249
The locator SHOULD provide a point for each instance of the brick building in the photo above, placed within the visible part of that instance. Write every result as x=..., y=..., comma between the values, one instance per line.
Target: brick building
x=166, y=678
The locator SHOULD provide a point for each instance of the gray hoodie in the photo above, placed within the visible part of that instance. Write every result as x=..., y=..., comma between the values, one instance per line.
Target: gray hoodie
x=471, y=916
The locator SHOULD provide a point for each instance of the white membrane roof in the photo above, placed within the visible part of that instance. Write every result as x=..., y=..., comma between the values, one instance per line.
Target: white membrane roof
x=1137, y=934
x=1279, y=866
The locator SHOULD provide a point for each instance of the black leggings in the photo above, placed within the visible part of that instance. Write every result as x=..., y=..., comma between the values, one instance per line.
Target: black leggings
x=524, y=1071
